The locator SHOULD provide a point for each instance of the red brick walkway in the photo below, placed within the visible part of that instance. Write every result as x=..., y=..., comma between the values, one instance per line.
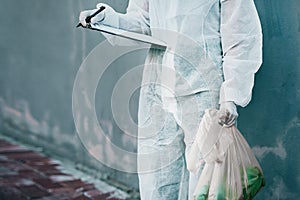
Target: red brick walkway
x=25, y=174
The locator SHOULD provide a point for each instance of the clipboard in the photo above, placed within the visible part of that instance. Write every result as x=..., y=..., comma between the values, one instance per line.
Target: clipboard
x=128, y=35
x=121, y=33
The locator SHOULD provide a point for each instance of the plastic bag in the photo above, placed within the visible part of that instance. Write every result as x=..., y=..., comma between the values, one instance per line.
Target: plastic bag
x=231, y=170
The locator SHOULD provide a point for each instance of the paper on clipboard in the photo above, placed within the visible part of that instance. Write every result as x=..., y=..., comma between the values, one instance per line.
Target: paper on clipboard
x=129, y=35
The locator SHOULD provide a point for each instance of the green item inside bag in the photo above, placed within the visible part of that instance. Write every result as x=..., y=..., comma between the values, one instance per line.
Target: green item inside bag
x=255, y=182
x=203, y=193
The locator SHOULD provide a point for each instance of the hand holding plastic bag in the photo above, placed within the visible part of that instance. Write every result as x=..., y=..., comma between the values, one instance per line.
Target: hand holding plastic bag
x=231, y=170
x=228, y=113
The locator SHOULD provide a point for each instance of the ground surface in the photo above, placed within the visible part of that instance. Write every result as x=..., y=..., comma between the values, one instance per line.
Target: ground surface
x=25, y=174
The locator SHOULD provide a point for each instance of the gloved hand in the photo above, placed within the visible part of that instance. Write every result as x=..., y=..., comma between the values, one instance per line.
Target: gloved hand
x=84, y=14
x=227, y=114
x=96, y=19
x=107, y=16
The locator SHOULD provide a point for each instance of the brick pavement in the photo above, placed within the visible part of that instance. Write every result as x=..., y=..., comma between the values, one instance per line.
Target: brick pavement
x=25, y=174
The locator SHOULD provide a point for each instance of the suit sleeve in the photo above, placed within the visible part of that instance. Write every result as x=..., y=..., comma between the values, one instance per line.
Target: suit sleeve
x=241, y=37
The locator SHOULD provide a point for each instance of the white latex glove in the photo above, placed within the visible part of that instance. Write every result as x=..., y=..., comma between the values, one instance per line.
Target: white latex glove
x=108, y=16
x=96, y=19
x=227, y=114
x=84, y=14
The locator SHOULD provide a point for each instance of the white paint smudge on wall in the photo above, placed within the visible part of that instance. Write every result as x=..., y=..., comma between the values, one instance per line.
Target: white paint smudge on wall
x=19, y=123
x=24, y=126
x=279, y=191
x=278, y=150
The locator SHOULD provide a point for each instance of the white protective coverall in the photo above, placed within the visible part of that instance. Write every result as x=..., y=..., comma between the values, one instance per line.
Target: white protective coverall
x=216, y=48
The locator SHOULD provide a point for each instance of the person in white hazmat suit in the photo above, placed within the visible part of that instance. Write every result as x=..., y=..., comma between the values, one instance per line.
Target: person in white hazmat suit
x=216, y=50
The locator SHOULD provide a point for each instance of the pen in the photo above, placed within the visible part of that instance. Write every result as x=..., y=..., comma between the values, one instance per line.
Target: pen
x=88, y=18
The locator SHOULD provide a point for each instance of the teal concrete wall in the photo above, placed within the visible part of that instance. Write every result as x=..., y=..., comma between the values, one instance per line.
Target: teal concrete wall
x=271, y=123
x=41, y=52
